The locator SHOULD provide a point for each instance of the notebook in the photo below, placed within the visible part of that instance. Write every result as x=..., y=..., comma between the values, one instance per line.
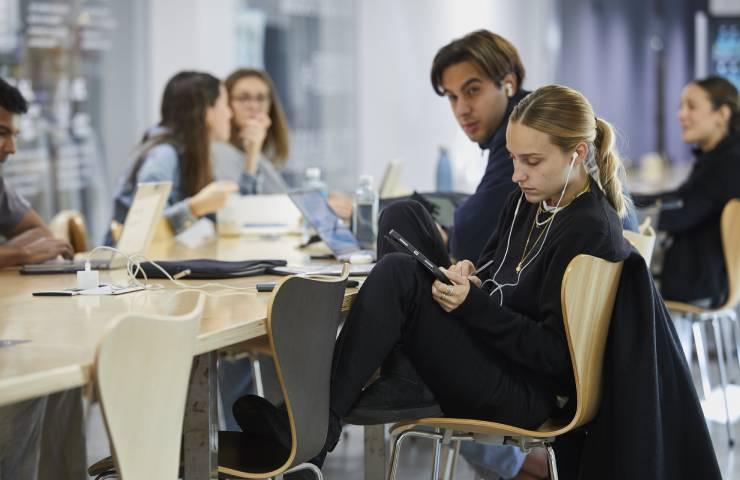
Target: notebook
x=138, y=231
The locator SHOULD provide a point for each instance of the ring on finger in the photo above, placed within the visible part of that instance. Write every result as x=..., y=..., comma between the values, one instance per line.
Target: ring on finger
x=450, y=289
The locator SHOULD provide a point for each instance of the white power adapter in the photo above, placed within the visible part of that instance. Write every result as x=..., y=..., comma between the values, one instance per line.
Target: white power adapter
x=87, y=279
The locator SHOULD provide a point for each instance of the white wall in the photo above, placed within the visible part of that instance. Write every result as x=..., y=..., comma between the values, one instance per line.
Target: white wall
x=401, y=118
x=200, y=36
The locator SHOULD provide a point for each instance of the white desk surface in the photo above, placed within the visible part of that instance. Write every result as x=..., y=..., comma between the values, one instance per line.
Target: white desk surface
x=63, y=332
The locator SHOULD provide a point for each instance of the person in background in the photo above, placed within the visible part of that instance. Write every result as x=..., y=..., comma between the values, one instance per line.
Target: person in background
x=27, y=238
x=693, y=267
x=45, y=434
x=259, y=143
x=194, y=113
x=481, y=75
x=507, y=358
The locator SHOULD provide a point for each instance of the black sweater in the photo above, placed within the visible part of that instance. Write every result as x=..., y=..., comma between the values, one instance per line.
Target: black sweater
x=528, y=328
x=476, y=219
x=650, y=424
x=693, y=267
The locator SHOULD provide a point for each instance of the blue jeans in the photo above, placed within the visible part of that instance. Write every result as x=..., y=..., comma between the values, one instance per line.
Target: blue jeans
x=493, y=461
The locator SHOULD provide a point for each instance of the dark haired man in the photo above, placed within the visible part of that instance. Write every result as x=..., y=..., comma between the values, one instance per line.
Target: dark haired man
x=27, y=238
x=481, y=75
x=42, y=437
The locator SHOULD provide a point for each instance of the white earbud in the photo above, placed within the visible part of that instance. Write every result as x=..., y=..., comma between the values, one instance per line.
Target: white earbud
x=509, y=89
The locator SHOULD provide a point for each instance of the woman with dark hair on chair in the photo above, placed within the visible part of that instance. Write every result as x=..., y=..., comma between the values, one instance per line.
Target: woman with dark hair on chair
x=693, y=266
x=194, y=113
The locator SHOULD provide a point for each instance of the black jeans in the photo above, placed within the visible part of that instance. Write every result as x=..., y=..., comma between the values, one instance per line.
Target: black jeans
x=395, y=306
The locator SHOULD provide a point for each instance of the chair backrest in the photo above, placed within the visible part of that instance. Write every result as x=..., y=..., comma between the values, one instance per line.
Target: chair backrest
x=70, y=225
x=731, y=248
x=142, y=370
x=302, y=322
x=588, y=291
x=644, y=241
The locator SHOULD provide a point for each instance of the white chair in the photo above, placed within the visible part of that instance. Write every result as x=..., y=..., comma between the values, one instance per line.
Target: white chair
x=142, y=370
x=644, y=241
x=730, y=228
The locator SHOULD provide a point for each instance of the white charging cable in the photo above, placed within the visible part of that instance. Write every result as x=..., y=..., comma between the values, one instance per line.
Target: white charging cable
x=133, y=268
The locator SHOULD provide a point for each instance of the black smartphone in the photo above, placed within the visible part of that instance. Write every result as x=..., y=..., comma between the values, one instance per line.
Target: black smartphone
x=403, y=245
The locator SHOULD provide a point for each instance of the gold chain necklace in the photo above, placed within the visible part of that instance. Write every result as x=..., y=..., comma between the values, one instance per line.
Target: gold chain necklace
x=536, y=221
x=526, y=253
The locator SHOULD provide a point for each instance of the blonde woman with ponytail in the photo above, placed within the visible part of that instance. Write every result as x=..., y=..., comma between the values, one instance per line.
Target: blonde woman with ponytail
x=499, y=320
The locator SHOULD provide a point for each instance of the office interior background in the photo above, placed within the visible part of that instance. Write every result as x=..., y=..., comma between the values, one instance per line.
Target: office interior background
x=353, y=76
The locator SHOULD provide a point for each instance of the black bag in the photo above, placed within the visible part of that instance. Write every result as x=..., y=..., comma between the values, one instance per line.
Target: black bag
x=204, y=268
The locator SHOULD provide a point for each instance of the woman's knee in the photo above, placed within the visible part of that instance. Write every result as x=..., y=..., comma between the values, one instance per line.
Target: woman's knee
x=397, y=212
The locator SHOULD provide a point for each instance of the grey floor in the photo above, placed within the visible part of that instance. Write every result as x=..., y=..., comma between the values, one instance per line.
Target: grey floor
x=346, y=462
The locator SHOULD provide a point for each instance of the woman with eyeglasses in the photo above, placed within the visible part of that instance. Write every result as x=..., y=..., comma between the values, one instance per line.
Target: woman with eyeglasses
x=259, y=146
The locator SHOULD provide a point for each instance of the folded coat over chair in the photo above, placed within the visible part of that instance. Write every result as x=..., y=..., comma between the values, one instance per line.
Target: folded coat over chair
x=650, y=424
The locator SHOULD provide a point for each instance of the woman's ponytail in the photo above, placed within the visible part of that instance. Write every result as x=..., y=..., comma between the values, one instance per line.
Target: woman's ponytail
x=610, y=166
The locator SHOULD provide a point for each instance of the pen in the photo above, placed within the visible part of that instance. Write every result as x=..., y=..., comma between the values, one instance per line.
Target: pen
x=483, y=267
x=184, y=273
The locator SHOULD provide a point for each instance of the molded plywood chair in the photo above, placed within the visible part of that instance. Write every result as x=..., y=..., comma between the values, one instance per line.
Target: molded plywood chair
x=586, y=314
x=730, y=228
x=302, y=321
x=142, y=369
x=70, y=225
x=644, y=241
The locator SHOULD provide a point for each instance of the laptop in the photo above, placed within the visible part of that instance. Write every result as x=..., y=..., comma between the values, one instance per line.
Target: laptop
x=335, y=234
x=138, y=231
x=391, y=185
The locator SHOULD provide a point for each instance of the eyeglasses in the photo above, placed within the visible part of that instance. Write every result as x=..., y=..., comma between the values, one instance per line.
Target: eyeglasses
x=259, y=99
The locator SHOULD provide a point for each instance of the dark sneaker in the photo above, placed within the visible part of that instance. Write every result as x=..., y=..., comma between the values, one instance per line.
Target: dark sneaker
x=391, y=399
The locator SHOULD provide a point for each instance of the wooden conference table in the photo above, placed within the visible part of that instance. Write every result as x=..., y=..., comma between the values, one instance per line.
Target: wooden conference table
x=59, y=335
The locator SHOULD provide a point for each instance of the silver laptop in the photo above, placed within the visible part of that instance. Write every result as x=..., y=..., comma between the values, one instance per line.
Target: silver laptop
x=138, y=231
x=335, y=234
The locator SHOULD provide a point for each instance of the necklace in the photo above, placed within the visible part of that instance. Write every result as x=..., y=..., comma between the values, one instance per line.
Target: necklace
x=537, y=217
x=526, y=253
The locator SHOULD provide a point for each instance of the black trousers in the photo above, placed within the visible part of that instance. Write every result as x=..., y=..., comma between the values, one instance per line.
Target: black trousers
x=395, y=306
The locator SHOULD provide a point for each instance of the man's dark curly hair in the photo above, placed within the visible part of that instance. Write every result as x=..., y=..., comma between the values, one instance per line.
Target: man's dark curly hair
x=11, y=98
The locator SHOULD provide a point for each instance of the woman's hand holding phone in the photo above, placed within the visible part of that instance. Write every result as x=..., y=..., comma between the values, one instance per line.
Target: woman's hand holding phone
x=449, y=297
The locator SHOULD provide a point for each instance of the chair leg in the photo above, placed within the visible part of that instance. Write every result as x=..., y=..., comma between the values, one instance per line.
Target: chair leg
x=722, y=375
x=437, y=456
x=736, y=335
x=395, y=454
x=257, y=372
x=455, y=453
x=701, y=357
x=551, y=463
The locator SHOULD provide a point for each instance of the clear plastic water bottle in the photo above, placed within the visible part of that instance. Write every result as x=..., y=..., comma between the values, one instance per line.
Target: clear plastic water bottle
x=312, y=180
x=365, y=213
x=444, y=171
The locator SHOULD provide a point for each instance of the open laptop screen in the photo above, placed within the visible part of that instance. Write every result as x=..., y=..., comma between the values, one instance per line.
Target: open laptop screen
x=316, y=211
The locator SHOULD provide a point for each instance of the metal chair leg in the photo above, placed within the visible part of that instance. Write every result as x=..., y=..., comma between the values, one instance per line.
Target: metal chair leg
x=455, y=450
x=551, y=463
x=701, y=357
x=437, y=456
x=722, y=375
x=257, y=373
x=736, y=335
x=395, y=454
